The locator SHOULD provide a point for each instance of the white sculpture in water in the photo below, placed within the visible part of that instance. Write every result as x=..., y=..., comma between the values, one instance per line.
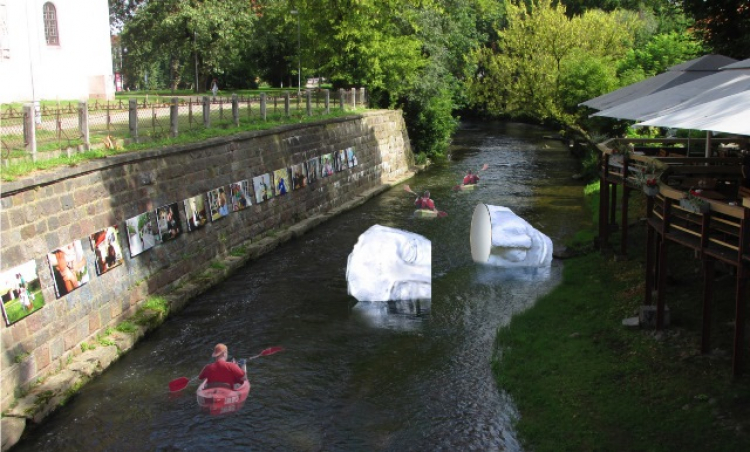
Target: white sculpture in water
x=390, y=264
x=500, y=237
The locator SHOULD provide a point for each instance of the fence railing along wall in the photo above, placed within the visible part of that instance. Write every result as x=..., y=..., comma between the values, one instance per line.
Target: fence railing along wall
x=43, y=132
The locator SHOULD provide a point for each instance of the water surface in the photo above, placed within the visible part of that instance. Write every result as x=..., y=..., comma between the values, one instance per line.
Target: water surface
x=402, y=377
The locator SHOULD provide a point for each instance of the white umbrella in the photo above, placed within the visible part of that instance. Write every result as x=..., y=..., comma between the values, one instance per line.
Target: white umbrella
x=675, y=75
x=730, y=80
x=729, y=114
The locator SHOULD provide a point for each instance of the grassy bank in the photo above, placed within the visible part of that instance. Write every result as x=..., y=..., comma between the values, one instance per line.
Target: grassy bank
x=583, y=382
x=22, y=167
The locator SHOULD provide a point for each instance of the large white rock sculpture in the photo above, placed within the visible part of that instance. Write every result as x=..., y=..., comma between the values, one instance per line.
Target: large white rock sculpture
x=390, y=264
x=500, y=237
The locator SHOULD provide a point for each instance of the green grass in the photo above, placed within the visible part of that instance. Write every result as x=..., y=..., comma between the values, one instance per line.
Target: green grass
x=15, y=311
x=126, y=327
x=158, y=139
x=238, y=252
x=583, y=382
x=156, y=303
x=218, y=265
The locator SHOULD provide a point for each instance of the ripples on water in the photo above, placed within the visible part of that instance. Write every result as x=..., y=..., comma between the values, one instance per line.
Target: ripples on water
x=393, y=377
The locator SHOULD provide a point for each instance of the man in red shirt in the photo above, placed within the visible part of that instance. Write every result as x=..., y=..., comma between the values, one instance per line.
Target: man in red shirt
x=220, y=371
x=470, y=178
x=425, y=202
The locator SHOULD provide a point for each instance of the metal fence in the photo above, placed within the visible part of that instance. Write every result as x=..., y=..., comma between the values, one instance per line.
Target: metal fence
x=35, y=132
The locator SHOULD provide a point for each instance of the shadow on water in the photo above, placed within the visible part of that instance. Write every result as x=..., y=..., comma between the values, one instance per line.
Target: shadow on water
x=354, y=376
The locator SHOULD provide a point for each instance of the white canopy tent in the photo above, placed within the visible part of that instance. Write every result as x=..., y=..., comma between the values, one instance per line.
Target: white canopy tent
x=730, y=114
x=731, y=79
x=674, y=76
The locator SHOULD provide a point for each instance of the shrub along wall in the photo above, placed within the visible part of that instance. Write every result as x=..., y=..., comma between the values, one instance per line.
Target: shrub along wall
x=46, y=211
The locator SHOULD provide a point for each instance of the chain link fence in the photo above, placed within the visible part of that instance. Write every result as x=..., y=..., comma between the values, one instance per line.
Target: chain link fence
x=35, y=132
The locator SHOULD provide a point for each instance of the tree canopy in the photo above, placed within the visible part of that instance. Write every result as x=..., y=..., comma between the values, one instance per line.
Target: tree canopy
x=531, y=59
x=723, y=24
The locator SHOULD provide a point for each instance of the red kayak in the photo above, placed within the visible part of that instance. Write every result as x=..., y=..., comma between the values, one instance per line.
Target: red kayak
x=222, y=399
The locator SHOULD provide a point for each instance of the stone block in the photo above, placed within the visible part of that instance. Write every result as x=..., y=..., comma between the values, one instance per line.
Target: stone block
x=647, y=316
x=11, y=428
x=57, y=348
x=42, y=357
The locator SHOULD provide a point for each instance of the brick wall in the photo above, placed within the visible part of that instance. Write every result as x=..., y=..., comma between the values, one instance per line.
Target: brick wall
x=42, y=212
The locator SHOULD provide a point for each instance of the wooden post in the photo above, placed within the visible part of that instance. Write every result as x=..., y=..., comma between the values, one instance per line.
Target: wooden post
x=174, y=116
x=133, y=118
x=309, y=102
x=624, y=219
x=235, y=110
x=29, y=129
x=327, y=95
x=263, y=106
x=286, y=104
x=708, y=282
x=206, y=112
x=83, y=123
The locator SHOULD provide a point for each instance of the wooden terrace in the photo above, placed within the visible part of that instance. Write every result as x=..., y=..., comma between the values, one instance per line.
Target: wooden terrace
x=698, y=203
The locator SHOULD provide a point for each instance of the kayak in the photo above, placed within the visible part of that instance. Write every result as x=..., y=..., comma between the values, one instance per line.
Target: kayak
x=425, y=213
x=466, y=187
x=222, y=399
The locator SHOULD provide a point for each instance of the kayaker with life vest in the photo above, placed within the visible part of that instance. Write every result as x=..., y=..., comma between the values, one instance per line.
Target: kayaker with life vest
x=425, y=202
x=222, y=371
x=470, y=179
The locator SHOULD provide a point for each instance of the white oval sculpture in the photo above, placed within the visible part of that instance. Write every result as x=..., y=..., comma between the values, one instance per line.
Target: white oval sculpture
x=501, y=238
x=390, y=264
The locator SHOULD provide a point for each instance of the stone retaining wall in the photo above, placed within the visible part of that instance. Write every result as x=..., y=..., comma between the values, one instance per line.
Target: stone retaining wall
x=45, y=211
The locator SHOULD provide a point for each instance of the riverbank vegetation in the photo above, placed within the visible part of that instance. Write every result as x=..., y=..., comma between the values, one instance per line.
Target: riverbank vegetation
x=532, y=60
x=583, y=382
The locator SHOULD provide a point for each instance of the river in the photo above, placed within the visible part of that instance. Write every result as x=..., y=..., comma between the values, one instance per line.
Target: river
x=393, y=379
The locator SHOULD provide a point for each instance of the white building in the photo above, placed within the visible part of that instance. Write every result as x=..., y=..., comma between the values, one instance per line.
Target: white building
x=57, y=49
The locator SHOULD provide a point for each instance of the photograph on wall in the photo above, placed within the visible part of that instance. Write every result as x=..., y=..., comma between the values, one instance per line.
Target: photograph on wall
x=313, y=170
x=21, y=292
x=340, y=161
x=143, y=233
x=326, y=165
x=281, y=181
x=351, y=157
x=68, y=267
x=218, y=203
x=241, y=195
x=299, y=176
x=168, y=222
x=195, y=213
x=107, y=250
x=263, y=187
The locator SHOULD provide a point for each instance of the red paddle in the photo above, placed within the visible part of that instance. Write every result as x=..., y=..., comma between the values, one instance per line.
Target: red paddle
x=268, y=351
x=178, y=384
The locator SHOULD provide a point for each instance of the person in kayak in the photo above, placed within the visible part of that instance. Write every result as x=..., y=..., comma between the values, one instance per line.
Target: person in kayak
x=425, y=202
x=470, y=179
x=222, y=372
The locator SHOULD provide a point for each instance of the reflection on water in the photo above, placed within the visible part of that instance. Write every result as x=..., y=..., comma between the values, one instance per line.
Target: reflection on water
x=489, y=274
x=400, y=315
x=353, y=377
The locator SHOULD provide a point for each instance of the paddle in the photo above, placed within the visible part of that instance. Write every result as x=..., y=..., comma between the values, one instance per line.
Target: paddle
x=178, y=384
x=440, y=213
x=458, y=187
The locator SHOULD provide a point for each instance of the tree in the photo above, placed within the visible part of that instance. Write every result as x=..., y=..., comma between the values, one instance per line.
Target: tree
x=662, y=52
x=723, y=24
x=210, y=31
x=528, y=74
